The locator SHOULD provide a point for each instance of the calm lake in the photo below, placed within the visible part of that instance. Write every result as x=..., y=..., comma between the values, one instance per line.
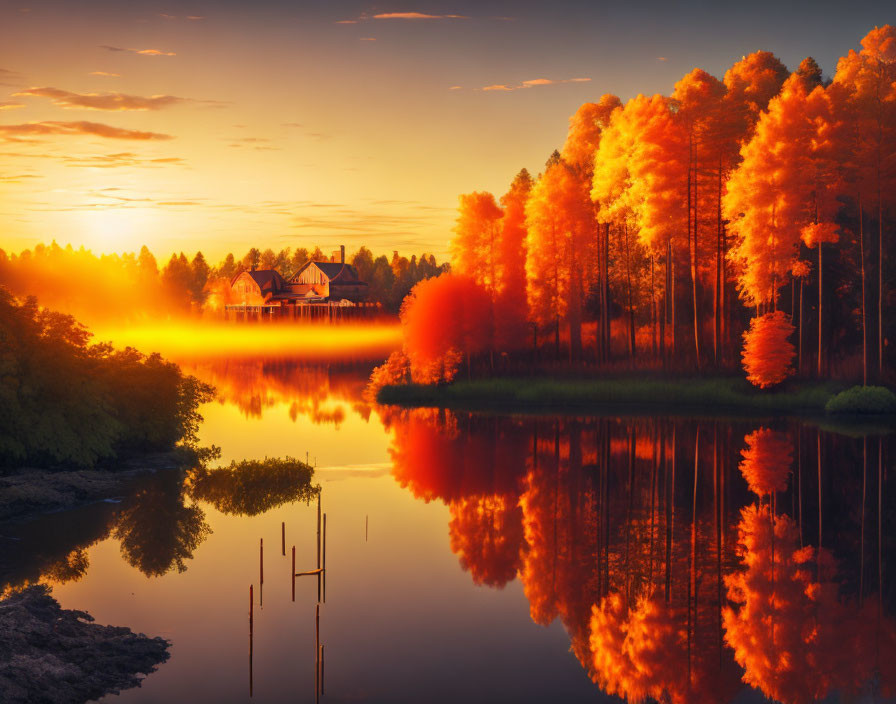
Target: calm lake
x=483, y=557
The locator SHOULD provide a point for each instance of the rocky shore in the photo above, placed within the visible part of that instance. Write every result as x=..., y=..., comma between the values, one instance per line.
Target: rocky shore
x=49, y=654
x=27, y=492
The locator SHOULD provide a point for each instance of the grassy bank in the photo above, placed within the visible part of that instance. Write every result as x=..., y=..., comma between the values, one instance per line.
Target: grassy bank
x=688, y=395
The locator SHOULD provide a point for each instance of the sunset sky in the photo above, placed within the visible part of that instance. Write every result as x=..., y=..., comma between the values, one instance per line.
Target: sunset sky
x=221, y=125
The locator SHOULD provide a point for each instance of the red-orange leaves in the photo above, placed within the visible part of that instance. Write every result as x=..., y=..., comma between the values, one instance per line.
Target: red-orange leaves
x=767, y=461
x=445, y=319
x=768, y=353
x=475, y=247
x=819, y=232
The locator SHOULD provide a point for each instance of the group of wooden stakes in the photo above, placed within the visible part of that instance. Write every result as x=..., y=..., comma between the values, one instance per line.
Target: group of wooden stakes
x=320, y=572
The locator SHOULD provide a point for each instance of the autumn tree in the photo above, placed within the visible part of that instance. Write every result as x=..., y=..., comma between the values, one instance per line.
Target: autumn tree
x=445, y=320
x=511, y=271
x=477, y=238
x=698, y=101
x=768, y=353
x=557, y=215
x=868, y=77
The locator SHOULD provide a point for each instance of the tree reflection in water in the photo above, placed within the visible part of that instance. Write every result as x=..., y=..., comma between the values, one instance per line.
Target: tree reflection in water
x=319, y=391
x=156, y=530
x=251, y=487
x=644, y=539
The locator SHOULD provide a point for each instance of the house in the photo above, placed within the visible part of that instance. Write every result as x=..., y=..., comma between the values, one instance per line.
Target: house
x=317, y=283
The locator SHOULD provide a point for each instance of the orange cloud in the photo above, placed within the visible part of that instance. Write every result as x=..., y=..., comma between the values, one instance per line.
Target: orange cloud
x=105, y=73
x=368, y=39
x=96, y=129
x=10, y=106
x=143, y=52
x=534, y=82
x=154, y=52
x=102, y=101
x=416, y=16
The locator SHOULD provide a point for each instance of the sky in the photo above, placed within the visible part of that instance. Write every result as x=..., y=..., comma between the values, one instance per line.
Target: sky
x=219, y=125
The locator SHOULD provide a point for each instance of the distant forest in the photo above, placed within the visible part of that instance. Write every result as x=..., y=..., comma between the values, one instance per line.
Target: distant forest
x=132, y=286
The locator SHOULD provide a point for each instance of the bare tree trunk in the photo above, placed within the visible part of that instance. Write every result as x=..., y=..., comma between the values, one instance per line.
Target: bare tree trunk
x=631, y=303
x=693, y=257
x=864, y=325
x=799, y=364
x=820, y=245
x=653, y=319
x=670, y=267
x=606, y=297
x=717, y=298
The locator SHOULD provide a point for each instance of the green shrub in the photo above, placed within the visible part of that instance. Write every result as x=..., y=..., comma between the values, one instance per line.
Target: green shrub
x=863, y=400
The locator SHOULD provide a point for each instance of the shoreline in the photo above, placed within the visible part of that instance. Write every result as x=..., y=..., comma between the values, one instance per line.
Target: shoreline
x=632, y=395
x=28, y=492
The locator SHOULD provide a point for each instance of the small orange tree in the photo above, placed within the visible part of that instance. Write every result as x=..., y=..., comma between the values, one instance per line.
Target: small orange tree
x=768, y=352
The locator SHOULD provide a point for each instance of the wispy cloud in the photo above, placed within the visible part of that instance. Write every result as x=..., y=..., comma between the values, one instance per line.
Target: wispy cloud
x=532, y=83
x=105, y=73
x=118, y=160
x=6, y=105
x=368, y=39
x=661, y=58
x=95, y=129
x=417, y=16
x=142, y=52
x=102, y=101
x=455, y=87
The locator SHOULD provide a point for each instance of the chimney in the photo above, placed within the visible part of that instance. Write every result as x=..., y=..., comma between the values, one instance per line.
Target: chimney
x=339, y=255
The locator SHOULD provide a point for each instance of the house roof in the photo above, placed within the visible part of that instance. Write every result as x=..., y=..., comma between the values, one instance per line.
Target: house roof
x=334, y=271
x=267, y=279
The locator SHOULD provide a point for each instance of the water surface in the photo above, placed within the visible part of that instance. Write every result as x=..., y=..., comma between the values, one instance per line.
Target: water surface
x=481, y=557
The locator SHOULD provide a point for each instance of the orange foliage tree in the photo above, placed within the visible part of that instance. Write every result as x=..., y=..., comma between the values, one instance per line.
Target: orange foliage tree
x=768, y=352
x=446, y=320
x=510, y=325
x=476, y=246
x=558, y=215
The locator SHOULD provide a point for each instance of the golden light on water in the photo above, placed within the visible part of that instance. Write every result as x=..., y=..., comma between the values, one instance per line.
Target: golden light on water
x=185, y=340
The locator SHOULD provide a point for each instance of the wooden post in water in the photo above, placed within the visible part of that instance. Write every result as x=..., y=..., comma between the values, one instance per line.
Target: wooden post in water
x=251, y=627
x=321, y=669
x=283, y=537
x=261, y=571
x=318, y=546
x=317, y=652
x=324, y=564
x=293, y=572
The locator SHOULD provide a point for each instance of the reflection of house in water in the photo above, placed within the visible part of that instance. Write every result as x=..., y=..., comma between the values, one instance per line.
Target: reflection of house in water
x=319, y=289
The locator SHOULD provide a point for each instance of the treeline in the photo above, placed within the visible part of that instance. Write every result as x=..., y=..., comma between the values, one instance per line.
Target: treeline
x=65, y=401
x=132, y=286
x=669, y=227
x=390, y=280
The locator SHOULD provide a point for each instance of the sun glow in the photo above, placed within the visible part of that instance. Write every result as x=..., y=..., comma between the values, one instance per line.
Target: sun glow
x=183, y=341
x=109, y=230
